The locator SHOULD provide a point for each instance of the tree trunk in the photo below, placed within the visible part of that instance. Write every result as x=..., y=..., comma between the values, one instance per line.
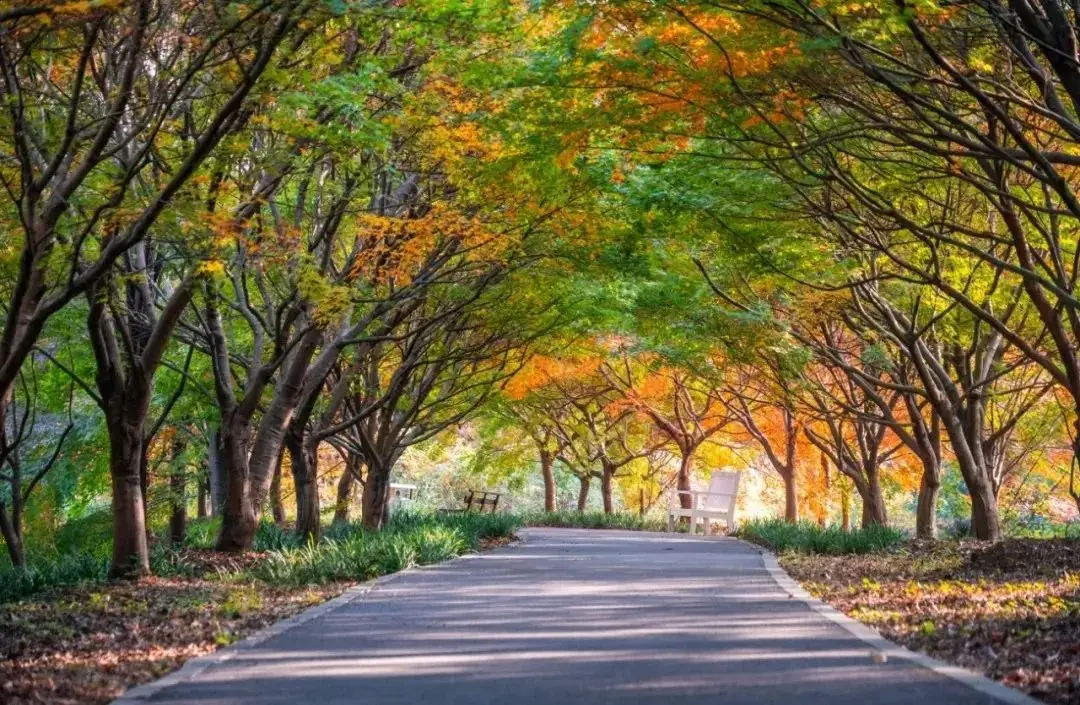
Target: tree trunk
x=307, y=509
x=218, y=478
x=926, y=508
x=870, y=513
x=845, y=511
x=985, y=524
x=682, y=483
x=305, y=479
x=546, y=462
x=266, y=447
x=277, y=507
x=144, y=486
x=130, y=555
x=203, y=510
x=873, y=509
x=373, y=501
x=238, y=522
x=823, y=514
x=791, y=497
x=12, y=533
x=344, y=489
x=606, y=491
x=965, y=432
x=178, y=502
x=583, y=492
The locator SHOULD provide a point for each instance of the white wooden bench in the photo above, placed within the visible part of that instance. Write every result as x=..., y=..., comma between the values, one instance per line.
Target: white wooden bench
x=718, y=502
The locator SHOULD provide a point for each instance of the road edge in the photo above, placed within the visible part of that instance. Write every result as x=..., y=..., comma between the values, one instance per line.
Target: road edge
x=873, y=638
x=140, y=694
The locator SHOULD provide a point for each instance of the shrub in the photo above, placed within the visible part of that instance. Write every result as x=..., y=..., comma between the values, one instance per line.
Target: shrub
x=805, y=537
x=67, y=569
x=476, y=527
x=347, y=552
x=393, y=553
x=438, y=543
x=201, y=533
x=271, y=537
x=350, y=552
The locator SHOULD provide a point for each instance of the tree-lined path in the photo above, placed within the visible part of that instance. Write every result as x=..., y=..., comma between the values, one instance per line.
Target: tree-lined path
x=574, y=616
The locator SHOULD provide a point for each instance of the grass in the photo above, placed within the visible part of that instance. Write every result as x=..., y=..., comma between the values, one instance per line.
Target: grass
x=347, y=552
x=593, y=520
x=805, y=537
x=351, y=553
x=43, y=573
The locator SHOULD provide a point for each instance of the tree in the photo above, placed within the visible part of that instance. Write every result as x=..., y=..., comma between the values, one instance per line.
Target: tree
x=597, y=428
x=683, y=407
x=766, y=412
x=97, y=164
x=857, y=444
x=28, y=457
x=450, y=358
x=536, y=407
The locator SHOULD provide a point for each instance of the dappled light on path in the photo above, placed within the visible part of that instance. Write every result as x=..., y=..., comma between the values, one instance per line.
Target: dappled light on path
x=573, y=616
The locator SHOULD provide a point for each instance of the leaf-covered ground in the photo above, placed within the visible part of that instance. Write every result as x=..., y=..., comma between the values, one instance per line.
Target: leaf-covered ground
x=1011, y=611
x=88, y=644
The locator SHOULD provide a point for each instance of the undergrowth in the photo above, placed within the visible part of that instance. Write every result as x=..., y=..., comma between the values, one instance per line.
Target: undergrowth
x=346, y=552
x=352, y=553
x=593, y=520
x=804, y=537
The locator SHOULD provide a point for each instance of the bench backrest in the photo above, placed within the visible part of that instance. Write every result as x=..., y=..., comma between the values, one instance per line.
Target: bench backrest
x=479, y=501
x=723, y=491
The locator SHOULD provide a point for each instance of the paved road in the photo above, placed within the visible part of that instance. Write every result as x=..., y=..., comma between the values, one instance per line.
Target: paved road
x=574, y=617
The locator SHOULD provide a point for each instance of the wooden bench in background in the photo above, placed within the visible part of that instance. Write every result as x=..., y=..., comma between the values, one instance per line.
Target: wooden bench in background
x=480, y=500
x=477, y=501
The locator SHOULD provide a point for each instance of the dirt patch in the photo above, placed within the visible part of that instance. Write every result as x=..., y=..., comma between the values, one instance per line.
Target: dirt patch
x=1011, y=610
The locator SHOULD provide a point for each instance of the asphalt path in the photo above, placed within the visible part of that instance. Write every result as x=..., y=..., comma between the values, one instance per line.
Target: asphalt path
x=575, y=617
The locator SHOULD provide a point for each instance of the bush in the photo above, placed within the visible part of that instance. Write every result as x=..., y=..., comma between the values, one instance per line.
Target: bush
x=201, y=533
x=68, y=569
x=438, y=543
x=271, y=537
x=805, y=537
x=350, y=552
x=593, y=520
x=347, y=552
x=476, y=527
x=959, y=528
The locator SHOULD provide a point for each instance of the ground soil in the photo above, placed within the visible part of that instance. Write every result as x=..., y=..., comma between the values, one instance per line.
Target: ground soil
x=1010, y=610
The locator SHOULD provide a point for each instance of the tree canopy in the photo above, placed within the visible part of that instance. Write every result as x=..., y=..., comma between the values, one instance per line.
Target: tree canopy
x=831, y=243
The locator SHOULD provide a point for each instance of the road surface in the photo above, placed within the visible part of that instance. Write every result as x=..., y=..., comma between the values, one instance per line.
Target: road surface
x=575, y=617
